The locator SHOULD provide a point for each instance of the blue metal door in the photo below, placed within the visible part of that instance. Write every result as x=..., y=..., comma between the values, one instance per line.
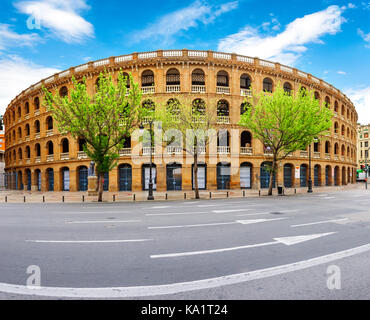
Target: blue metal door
x=106, y=182
x=303, y=176
x=65, y=174
x=327, y=172
x=29, y=180
x=316, y=172
x=51, y=179
x=265, y=177
x=38, y=180
x=223, y=176
x=125, y=178
x=287, y=176
x=174, y=177
x=82, y=178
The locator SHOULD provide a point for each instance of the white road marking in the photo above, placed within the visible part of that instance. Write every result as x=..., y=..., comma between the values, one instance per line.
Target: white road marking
x=175, y=213
x=250, y=221
x=89, y=241
x=103, y=221
x=161, y=207
x=89, y=212
x=208, y=205
x=193, y=225
x=266, y=212
x=285, y=240
x=329, y=197
x=175, y=288
x=230, y=210
x=319, y=222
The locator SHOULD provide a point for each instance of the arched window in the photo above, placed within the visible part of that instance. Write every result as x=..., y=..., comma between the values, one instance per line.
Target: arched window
x=49, y=123
x=244, y=107
x=50, y=147
x=126, y=76
x=19, y=133
x=316, y=146
x=27, y=128
x=336, y=106
x=246, y=139
x=223, y=108
x=173, y=77
x=267, y=85
x=336, y=148
x=27, y=108
x=336, y=129
x=173, y=106
x=20, y=154
x=245, y=81
x=327, y=147
x=317, y=95
x=38, y=150
x=288, y=88
x=223, y=138
x=199, y=107
x=343, y=151
x=36, y=103
x=19, y=112
x=222, y=79
x=198, y=78
x=149, y=105
x=81, y=143
x=147, y=78
x=65, y=145
x=327, y=102
x=37, y=126
x=28, y=152
x=63, y=92
x=343, y=130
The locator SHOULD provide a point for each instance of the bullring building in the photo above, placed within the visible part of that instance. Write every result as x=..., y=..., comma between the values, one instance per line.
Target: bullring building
x=40, y=158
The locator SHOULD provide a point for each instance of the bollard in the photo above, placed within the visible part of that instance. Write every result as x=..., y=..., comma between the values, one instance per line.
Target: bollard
x=134, y=197
x=114, y=198
x=259, y=192
x=6, y=198
x=24, y=199
x=227, y=194
x=210, y=195
x=62, y=198
x=43, y=198
x=295, y=191
x=166, y=196
x=243, y=193
x=83, y=198
x=184, y=195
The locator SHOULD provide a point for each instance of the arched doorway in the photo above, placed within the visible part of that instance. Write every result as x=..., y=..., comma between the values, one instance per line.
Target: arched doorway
x=124, y=177
x=82, y=178
x=303, y=175
x=146, y=176
x=174, y=176
x=202, y=176
x=317, y=175
x=246, y=175
x=65, y=179
x=336, y=176
x=265, y=175
x=223, y=175
x=38, y=179
x=328, y=175
x=28, y=176
x=50, y=179
x=106, y=181
x=288, y=181
x=344, y=176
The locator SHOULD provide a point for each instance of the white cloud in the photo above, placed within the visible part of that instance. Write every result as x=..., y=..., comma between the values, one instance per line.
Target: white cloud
x=62, y=18
x=17, y=74
x=181, y=20
x=365, y=36
x=341, y=72
x=287, y=46
x=361, y=100
x=9, y=37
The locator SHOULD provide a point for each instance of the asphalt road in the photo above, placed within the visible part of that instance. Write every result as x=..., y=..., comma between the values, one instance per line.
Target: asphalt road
x=286, y=247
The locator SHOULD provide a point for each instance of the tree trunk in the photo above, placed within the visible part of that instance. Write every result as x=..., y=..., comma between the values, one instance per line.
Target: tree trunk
x=272, y=172
x=100, y=188
x=196, y=188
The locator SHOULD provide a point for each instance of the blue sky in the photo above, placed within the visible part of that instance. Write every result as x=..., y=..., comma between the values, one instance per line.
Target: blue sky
x=330, y=39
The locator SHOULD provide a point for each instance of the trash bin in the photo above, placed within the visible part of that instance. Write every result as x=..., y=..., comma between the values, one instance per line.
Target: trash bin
x=280, y=191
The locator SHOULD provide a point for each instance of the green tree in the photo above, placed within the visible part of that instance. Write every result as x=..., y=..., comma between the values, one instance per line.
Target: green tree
x=104, y=120
x=193, y=121
x=285, y=122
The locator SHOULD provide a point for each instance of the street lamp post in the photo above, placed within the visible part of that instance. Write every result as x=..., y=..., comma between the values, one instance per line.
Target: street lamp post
x=150, y=195
x=366, y=168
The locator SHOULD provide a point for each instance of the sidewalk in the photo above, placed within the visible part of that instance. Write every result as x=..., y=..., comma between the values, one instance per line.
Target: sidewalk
x=11, y=196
